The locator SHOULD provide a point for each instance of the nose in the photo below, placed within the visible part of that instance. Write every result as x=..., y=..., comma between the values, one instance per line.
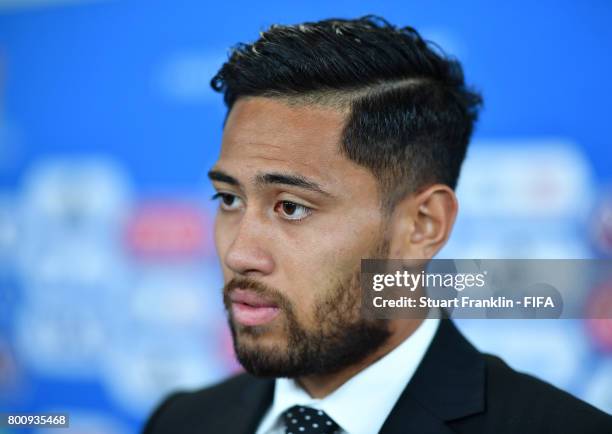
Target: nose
x=248, y=254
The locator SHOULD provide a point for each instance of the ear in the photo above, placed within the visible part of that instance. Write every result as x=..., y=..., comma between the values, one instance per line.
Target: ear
x=422, y=222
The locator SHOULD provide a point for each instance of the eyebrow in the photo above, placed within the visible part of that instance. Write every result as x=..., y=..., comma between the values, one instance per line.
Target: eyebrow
x=292, y=180
x=219, y=176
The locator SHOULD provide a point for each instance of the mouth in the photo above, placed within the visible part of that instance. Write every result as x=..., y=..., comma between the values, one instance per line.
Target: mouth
x=251, y=309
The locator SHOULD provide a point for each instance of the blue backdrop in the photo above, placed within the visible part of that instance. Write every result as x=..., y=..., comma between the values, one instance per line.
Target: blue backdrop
x=109, y=284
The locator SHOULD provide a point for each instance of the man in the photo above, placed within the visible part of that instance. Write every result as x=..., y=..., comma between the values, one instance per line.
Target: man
x=344, y=140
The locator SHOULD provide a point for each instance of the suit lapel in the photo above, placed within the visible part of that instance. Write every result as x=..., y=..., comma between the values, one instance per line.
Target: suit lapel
x=244, y=414
x=409, y=416
x=448, y=384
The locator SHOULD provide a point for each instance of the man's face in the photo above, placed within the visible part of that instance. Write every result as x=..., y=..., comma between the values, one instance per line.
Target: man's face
x=296, y=217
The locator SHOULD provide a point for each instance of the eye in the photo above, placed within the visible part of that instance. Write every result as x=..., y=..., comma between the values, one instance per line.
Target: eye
x=291, y=210
x=229, y=202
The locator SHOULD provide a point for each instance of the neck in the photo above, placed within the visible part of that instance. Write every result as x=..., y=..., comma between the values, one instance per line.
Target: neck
x=321, y=385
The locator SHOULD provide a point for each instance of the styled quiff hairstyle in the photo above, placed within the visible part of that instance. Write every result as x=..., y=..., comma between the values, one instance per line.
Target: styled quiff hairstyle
x=410, y=114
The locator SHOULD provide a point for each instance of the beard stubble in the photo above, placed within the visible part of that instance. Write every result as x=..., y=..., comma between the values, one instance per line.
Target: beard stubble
x=340, y=336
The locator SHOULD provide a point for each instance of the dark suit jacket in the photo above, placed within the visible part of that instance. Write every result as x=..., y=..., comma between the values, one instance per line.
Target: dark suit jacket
x=456, y=389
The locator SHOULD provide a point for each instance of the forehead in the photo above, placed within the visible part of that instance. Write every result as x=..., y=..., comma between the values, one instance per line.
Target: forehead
x=265, y=133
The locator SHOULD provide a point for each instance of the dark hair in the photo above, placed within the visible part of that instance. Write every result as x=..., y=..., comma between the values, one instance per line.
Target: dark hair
x=410, y=114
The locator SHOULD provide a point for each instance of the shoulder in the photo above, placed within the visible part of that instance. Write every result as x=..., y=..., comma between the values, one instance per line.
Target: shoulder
x=524, y=401
x=182, y=411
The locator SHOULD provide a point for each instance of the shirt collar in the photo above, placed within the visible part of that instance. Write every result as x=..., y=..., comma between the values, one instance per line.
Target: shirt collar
x=362, y=404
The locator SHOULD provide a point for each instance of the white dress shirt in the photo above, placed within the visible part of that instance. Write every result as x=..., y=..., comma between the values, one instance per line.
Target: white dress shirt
x=363, y=403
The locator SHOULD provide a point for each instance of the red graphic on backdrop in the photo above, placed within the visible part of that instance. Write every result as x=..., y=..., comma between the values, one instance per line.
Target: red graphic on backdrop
x=599, y=322
x=169, y=229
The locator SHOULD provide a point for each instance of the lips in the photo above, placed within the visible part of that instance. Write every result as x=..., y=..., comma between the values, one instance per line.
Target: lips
x=247, y=296
x=251, y=309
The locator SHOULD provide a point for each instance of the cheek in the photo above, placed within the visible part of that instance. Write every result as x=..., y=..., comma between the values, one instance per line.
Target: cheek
x=223, y=237
x=327, y=261
x=343, y=247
